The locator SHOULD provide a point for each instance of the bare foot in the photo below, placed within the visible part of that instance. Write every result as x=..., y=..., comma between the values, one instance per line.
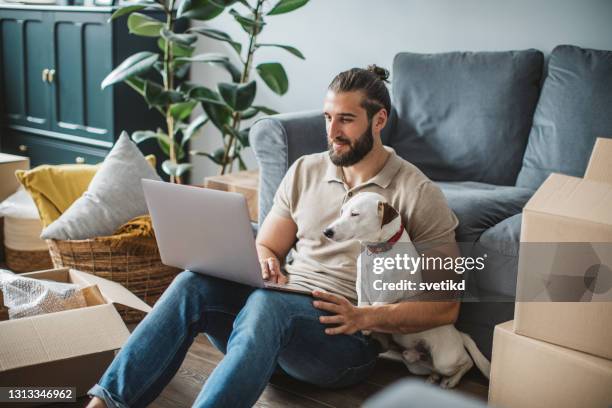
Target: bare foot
x=96, y=403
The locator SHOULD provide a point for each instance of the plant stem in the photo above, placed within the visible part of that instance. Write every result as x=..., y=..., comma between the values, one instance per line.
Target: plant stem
x=243, y=79
x=169, y=85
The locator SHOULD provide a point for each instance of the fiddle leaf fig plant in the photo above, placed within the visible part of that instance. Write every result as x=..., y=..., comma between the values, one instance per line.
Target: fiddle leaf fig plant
x=160, y=77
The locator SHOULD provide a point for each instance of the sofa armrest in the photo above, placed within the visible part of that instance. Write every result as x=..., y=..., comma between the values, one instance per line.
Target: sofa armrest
x=277, y=142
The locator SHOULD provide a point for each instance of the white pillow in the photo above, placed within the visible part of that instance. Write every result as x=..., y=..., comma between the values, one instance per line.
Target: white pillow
x=113, y=197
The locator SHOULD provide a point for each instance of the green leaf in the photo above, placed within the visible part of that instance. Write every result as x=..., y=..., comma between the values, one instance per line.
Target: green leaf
x=134, y=65
x=204, y=94
x=216, y=157
x=265, y=110
x=199, y=9
x=140, y=136
x=215, y=59
x=292, y=50
x=193, y=128
x=248, y=24
x=126, y=10
x=181, y=111
x=241, y=164
x=181, y=39
x=274, y=75
x=155, y=95
x=243, y=137
x=238, y=96
x=164, y=145
x=285, y=6
x=178, y=51
x=144, y=25
x=175, y=169
x=217, y=35
x=136, y=83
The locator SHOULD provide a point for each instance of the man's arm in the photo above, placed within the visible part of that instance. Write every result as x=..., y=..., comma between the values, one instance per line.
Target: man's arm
x=274, y=240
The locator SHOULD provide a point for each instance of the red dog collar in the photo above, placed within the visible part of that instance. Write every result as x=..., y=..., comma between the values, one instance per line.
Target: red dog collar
x=385, y=246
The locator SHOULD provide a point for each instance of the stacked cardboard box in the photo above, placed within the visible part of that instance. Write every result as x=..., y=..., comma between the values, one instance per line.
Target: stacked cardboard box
x=8, y=184
x=71, y=348
x=559, y=354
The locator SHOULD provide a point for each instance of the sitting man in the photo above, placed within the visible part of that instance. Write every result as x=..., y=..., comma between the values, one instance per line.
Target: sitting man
x=315, y=339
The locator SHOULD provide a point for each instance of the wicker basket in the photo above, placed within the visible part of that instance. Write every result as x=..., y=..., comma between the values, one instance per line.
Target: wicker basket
x=135, y=264
x=27, y=261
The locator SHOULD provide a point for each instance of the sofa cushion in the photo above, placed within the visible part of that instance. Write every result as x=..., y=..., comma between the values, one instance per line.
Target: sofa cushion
x=575, y=108
x=480, y=206
x=464, y=115
x=500, y=244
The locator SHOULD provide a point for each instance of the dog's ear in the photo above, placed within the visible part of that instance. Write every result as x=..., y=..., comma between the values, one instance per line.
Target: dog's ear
x=386, y=213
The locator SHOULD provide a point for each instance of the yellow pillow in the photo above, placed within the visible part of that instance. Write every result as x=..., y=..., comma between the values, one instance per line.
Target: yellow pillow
x=55, y=188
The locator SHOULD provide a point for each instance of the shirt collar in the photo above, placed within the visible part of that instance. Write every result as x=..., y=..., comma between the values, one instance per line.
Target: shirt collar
x=383, y=178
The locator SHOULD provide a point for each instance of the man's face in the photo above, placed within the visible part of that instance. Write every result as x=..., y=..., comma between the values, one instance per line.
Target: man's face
x=349, y=132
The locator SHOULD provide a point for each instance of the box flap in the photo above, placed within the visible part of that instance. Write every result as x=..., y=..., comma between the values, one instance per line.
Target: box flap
x=600, y=163
x=10, y=158
x=573, y=197
x=56, y=336
x=113, y=292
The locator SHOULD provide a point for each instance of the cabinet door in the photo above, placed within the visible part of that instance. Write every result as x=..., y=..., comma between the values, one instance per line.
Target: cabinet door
x=82, y=45
x=25, y=55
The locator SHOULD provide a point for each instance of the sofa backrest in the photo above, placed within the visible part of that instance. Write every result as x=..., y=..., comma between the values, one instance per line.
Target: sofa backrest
x=574, y=109
x=465, y=115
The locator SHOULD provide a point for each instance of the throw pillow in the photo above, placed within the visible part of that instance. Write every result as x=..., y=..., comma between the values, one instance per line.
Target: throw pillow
x=113, y=197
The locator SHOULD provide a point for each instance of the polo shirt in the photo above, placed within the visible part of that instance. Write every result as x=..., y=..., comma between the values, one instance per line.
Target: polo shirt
x=312, y=193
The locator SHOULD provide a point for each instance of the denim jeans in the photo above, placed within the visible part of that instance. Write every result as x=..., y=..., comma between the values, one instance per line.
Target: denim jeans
x=258, y=330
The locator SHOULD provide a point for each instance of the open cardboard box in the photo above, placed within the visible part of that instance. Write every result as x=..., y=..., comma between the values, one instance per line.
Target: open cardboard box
x=570, y=210
x=71, y=348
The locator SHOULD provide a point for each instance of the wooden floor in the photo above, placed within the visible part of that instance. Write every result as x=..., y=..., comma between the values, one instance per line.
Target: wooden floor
x=284, y=391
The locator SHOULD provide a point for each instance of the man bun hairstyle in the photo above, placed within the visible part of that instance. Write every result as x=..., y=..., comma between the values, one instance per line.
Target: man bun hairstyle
x=371, y=82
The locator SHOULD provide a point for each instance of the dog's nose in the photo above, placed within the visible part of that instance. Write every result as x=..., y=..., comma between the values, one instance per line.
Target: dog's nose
x=328, y=232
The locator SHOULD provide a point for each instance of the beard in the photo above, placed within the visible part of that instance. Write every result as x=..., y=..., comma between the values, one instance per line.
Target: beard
x=356, y=150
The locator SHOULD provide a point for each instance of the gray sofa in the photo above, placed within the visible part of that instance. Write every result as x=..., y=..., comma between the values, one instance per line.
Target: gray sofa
x=488, y=129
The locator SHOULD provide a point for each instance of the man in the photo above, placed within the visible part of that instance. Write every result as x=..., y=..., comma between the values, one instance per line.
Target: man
x=315, y=339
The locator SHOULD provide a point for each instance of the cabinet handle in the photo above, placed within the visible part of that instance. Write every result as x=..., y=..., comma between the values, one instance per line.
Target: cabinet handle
x=79, y=160
x=51, y=75
x=45, y=75
x=23, y=148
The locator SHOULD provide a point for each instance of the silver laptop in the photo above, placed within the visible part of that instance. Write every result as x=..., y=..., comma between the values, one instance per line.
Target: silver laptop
x=205, y=231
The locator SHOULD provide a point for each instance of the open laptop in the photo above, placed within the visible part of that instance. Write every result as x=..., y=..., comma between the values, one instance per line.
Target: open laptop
x=206, y=231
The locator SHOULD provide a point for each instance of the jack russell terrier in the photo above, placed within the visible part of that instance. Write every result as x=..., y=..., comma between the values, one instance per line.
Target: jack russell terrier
x=439, y=352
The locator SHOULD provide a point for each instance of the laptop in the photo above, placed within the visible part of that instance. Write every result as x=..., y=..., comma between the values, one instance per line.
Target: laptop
x=206, y=231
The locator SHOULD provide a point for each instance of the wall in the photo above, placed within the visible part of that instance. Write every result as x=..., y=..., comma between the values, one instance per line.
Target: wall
x=338, y=34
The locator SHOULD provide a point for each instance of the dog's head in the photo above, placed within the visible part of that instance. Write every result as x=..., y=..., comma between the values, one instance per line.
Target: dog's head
x=362, y=218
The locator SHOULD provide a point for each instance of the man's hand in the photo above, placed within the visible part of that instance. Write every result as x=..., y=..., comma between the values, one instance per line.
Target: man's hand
x=270, y=270
x=348, y=317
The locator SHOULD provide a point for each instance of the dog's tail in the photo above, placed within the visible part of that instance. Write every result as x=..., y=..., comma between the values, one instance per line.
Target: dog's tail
x=479, y=359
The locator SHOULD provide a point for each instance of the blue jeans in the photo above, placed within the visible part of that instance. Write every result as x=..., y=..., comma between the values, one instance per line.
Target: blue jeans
x=257, y=330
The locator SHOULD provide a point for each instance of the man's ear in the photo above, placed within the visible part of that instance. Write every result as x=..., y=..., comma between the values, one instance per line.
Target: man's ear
x=386, y=213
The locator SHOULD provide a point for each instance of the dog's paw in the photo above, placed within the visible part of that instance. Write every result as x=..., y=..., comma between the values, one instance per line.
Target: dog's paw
x=411, y=356
x=449, y=382
x=433, y=378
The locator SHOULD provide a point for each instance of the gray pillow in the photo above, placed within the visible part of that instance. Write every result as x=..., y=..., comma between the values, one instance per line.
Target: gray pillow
x=113, y=197
x=465, y=116
x=575, y=108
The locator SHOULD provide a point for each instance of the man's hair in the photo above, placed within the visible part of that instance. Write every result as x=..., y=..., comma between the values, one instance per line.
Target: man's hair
x=371, y=81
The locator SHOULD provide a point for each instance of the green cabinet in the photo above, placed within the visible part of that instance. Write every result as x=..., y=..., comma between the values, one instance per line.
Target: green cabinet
x=52, y=61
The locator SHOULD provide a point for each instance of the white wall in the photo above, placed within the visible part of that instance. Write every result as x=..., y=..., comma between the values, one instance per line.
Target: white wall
x=335, y=35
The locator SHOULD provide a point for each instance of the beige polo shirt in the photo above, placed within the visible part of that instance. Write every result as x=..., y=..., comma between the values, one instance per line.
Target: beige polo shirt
x=312, y=193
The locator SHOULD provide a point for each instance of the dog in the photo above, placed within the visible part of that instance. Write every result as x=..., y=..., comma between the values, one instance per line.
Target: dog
x=440, y=352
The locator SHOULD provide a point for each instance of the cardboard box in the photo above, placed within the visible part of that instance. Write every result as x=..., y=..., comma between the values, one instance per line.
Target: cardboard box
x=243, y=182
x=71, y=348
x=569, y=210
x=8, y=183
x=529, y=373
x=9, y=163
